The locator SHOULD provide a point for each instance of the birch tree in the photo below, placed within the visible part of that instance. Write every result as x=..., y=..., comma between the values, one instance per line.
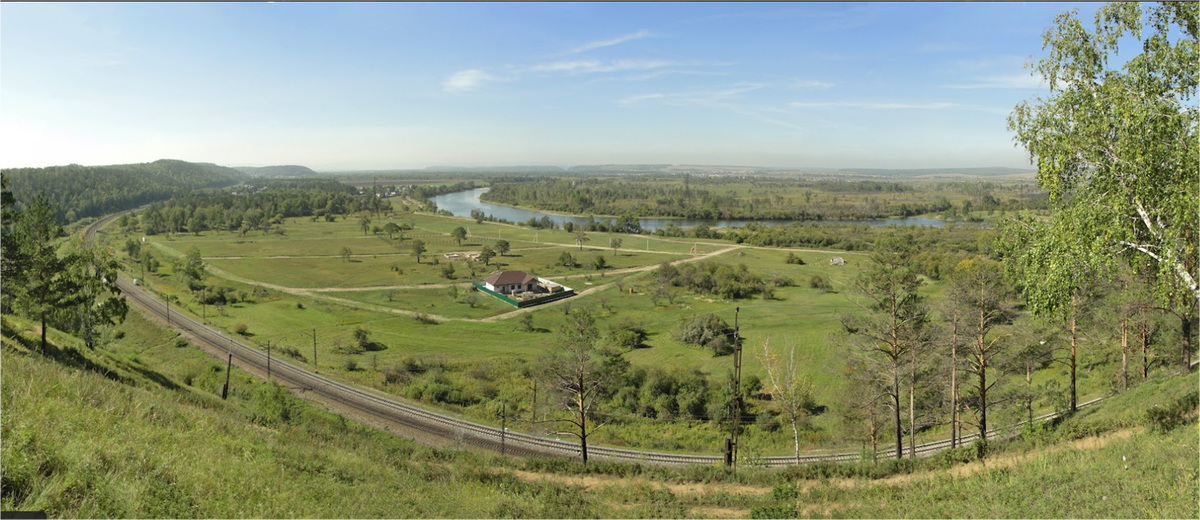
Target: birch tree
x=1115, y=146
x=790, y=391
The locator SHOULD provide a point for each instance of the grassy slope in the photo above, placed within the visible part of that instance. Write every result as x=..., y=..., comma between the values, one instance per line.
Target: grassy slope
x=120, y=432
x=110, y=437
x=1105, y=462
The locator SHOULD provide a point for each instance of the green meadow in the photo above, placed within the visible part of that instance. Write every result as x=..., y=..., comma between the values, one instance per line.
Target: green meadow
x=294, y=287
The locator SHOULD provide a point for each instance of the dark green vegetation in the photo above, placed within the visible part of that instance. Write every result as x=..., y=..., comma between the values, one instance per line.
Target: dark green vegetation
x=762, y=198
x=91, y=191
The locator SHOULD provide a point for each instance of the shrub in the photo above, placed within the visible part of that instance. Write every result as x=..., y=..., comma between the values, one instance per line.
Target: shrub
x=1166, y=418
x=350, y=365
x=766, y=422
x=774, y=511
x=701, y=329
x=819, y=283
x=424, y=318
x=241, y=329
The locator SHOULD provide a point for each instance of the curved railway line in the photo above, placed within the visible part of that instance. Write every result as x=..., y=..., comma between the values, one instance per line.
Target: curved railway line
x=404, y=415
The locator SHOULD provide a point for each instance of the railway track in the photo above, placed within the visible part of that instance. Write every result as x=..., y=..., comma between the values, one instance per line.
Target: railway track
x=401, y=414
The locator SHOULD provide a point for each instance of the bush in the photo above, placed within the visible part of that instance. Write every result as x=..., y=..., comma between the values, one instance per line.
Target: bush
x=424, y=318
x=775, y=511
x=793, y=259
x=350, y=365
x=241, y=329
x=701, y=329
x=1166, y=418
x=819, y=283
x=766, y=422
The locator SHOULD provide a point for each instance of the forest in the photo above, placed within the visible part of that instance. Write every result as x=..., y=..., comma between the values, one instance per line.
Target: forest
x=91, y=191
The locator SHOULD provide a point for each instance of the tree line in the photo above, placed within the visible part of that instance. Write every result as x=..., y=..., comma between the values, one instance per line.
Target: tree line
x=256, y=206
x=750, y=198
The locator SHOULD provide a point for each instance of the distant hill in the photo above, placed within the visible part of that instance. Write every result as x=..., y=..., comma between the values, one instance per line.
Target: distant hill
x=92, y=191
x=977, y=172
x=503, y=169
x=289, y=170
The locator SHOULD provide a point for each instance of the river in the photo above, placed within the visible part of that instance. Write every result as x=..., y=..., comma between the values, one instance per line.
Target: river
x=460, y=203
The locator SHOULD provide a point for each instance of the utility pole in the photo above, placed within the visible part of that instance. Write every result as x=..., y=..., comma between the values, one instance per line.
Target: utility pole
x=503, y=425
x=731, y=443
x=168, y=299
x=533, y=409
x=315, y=369
x=268, y=361
x=228, y=368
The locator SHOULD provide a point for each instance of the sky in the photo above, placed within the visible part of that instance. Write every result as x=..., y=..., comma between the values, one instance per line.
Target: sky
x=343, y=86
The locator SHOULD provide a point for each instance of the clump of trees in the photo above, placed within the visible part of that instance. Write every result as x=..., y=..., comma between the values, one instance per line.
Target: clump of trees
x=723, y=280
x=707, y=330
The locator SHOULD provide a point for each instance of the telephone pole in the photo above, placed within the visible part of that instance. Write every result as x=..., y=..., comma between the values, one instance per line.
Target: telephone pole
x=731, y=442
x=268, y=361
x=315, y=369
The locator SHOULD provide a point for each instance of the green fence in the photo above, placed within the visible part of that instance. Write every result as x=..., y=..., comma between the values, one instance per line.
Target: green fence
x=525, y=303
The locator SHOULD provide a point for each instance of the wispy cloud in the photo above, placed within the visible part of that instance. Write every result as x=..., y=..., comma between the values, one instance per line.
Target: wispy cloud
x=467, y=80
x=639, y=97
x=873, y=105
x=1011, y=81
x=721, y=98
x=810, y=84
x=610, y=42
x=471, y=79
x=696, y=97
x=594, y=66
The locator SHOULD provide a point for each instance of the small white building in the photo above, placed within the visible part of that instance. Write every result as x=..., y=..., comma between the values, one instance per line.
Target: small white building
x=508, y=282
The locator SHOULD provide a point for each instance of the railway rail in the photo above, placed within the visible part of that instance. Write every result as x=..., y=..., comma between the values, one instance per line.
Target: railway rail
x=398, y=413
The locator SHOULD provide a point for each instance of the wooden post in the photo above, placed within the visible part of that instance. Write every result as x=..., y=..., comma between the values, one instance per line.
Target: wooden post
x=315, y=350
x=268, y=361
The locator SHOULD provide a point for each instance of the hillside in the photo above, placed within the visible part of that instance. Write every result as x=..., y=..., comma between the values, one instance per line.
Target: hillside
x=159, y=442
x=289, y=170
x=91, y=191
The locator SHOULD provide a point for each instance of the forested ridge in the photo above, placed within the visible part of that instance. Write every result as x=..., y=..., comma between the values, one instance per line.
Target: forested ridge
x=91, y=191
x=755, y=197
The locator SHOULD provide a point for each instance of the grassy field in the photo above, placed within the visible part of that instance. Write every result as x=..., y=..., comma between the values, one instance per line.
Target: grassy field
x=487, y=353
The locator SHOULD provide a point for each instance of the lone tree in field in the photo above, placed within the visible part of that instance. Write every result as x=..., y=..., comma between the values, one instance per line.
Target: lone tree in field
x=790, y=390
x=578, y=375
x=580, y=237
x=486, y=254
x=459, y=234
x=615, y=244
x=1116, y=148
x=502, y=247
x=345, y=254
x=418, y=249
x=364, y=222
x=883, y=337
x=391, y=228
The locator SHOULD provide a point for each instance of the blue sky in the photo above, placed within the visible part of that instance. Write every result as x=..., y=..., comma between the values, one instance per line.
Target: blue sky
x=408, y=85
